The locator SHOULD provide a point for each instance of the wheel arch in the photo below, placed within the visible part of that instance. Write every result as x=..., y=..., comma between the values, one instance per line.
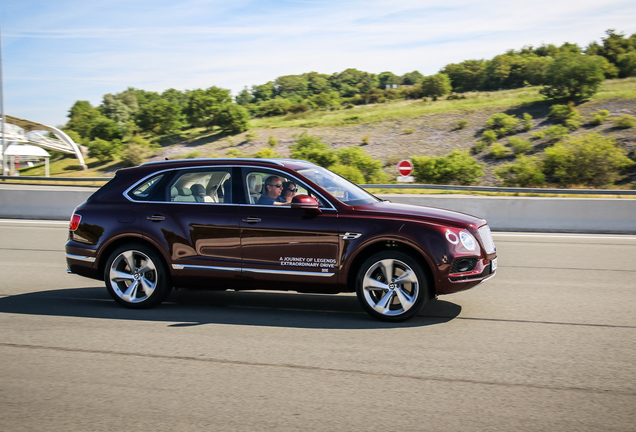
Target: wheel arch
x=122, y=240
x=388, y=245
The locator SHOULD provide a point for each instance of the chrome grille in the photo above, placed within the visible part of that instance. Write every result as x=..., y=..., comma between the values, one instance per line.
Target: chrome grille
x=486, y=239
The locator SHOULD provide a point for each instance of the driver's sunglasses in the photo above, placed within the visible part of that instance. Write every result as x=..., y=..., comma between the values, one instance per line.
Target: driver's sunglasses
x=292, y=190
x=277, y=185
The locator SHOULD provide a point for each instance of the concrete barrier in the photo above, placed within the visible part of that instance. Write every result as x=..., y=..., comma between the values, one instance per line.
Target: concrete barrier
x=590, y=215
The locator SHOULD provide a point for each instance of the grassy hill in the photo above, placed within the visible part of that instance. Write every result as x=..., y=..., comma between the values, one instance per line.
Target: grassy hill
x=395, y=130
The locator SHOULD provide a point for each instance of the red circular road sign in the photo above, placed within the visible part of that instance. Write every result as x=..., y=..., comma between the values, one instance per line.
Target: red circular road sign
x=405, y=167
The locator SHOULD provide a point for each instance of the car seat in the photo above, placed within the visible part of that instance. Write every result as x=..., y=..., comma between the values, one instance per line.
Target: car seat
x=255, y=184
x=198, y=191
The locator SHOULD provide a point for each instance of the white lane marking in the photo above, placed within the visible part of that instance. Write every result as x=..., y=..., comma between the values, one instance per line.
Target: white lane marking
x=575, y=236
x=29, y=221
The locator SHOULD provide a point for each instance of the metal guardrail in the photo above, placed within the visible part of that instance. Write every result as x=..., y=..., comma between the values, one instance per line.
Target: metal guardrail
x=542, y=191
x=57, y=179
x=539, y=191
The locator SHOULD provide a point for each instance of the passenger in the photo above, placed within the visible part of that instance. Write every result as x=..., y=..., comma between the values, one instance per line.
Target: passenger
x=289, y=191
x=273, y=189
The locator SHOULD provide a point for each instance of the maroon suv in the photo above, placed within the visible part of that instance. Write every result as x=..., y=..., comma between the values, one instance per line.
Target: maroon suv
x=271, y=224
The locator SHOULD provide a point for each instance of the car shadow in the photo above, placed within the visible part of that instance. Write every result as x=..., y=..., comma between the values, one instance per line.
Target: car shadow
x=184, y=308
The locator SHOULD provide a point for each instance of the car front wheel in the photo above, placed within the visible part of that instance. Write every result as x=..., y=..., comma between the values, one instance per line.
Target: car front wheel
x=391, y=286
x=136, y=277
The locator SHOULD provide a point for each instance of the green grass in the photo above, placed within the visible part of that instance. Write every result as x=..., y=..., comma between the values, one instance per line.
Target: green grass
x=398, y=110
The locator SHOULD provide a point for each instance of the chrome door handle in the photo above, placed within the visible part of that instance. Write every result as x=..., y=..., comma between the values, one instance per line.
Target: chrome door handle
x=156, y=218
x=252, y=220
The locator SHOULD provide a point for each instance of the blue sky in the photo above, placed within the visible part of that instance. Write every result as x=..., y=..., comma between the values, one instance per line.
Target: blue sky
x=57, y=52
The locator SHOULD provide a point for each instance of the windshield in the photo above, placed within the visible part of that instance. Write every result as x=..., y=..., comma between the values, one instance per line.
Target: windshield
x=341, y=189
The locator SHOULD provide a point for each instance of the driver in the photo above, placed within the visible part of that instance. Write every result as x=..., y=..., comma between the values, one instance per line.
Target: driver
x=273, y=189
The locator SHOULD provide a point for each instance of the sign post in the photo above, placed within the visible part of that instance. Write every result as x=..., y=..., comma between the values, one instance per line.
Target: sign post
x=405, y=168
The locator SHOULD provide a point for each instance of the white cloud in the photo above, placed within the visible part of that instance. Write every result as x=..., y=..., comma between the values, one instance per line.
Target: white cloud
x=79, y=50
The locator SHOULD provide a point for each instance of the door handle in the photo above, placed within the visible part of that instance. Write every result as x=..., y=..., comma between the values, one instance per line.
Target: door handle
x=252, y=220
x=156, y=218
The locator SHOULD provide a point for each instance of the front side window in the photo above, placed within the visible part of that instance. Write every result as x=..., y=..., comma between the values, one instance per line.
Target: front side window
x=338, y=187
x=264, y=187
x=202, y=186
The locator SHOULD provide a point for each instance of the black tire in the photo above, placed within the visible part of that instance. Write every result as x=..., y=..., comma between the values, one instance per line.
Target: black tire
x=136, y=276
x=394, y=297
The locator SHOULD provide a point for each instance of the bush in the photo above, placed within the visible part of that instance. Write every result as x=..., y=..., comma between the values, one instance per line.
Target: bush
x=409, y=131
x=480, y=147
x=312, y=149
x=519, y=146
x=456, y=167
x=135, y=154
x=624, y=122
x=462, y=124
x=502, y=124
x=489, y=136
x=352, y=174
x=566, y=114
x=272, y=142
x=498, y=151
x=588, y=160
x=556, y=132
x=527, y=122
x=365, y=140
x=266, y=153
x=538, y=135
x=192, y=155
x=250, y=136
x=599, y=117
x=103, y=150
x=356, y=157
x=523, y=172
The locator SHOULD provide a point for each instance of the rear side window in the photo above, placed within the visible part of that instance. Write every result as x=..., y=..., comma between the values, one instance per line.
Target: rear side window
x=144, y=191
x=202, y=186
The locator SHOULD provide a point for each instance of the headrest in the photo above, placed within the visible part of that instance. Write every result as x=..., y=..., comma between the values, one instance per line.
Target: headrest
x=173, y=192
x=255, y=183
x=184, y=191
x=197, y=189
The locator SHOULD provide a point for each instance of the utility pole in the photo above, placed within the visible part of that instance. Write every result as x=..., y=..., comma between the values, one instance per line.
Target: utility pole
x=4, y=147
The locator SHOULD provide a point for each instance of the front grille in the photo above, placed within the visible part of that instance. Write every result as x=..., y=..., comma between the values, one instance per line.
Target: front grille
x=463, y=265
x=486, y=239
x=483, y=274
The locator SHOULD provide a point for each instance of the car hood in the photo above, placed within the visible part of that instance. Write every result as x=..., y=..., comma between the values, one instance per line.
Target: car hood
x=390, y=209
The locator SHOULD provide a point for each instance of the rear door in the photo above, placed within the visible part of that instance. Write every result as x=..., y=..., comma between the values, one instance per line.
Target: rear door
x=195, y=220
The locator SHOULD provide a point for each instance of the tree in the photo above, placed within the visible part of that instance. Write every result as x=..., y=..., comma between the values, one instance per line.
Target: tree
x=263, y=92
x=232, y=118
x=388, y=79
x=317, y=83
x=466, y=76
x=436, y=85
x=289, y=85
x=106, y=129
x=160, y=117
x=352, y=81
x=412, y=78
x=574, y=76
x=82, y=117
x=202, y=105
x=244, y=97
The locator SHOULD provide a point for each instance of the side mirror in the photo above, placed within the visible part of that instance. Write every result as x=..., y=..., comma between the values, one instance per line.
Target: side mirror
x=305, y=202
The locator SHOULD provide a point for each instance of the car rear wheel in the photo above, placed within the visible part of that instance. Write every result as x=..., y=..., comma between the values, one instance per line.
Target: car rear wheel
x=391, y=286
x=136, y=277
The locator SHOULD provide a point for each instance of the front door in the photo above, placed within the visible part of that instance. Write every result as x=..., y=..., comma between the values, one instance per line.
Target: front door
x=285, y=248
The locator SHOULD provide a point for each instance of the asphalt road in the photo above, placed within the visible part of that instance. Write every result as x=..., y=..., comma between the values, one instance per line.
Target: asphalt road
x=549, y=344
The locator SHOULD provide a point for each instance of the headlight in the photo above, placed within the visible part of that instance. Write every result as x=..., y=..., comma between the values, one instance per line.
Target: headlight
x=468, y=240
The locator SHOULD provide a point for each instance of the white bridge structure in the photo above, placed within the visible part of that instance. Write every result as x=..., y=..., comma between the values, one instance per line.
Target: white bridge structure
x=18, y=130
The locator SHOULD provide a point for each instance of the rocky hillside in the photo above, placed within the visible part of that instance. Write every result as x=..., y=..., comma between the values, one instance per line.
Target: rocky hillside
x=434, y=134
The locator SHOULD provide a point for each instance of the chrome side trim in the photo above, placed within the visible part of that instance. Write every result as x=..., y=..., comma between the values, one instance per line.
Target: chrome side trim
x=287, y=272
x=208, y=268
x=250, y=270
x=81, y=258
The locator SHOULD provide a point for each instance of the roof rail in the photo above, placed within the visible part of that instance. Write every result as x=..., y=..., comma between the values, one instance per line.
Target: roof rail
x=277, y=161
